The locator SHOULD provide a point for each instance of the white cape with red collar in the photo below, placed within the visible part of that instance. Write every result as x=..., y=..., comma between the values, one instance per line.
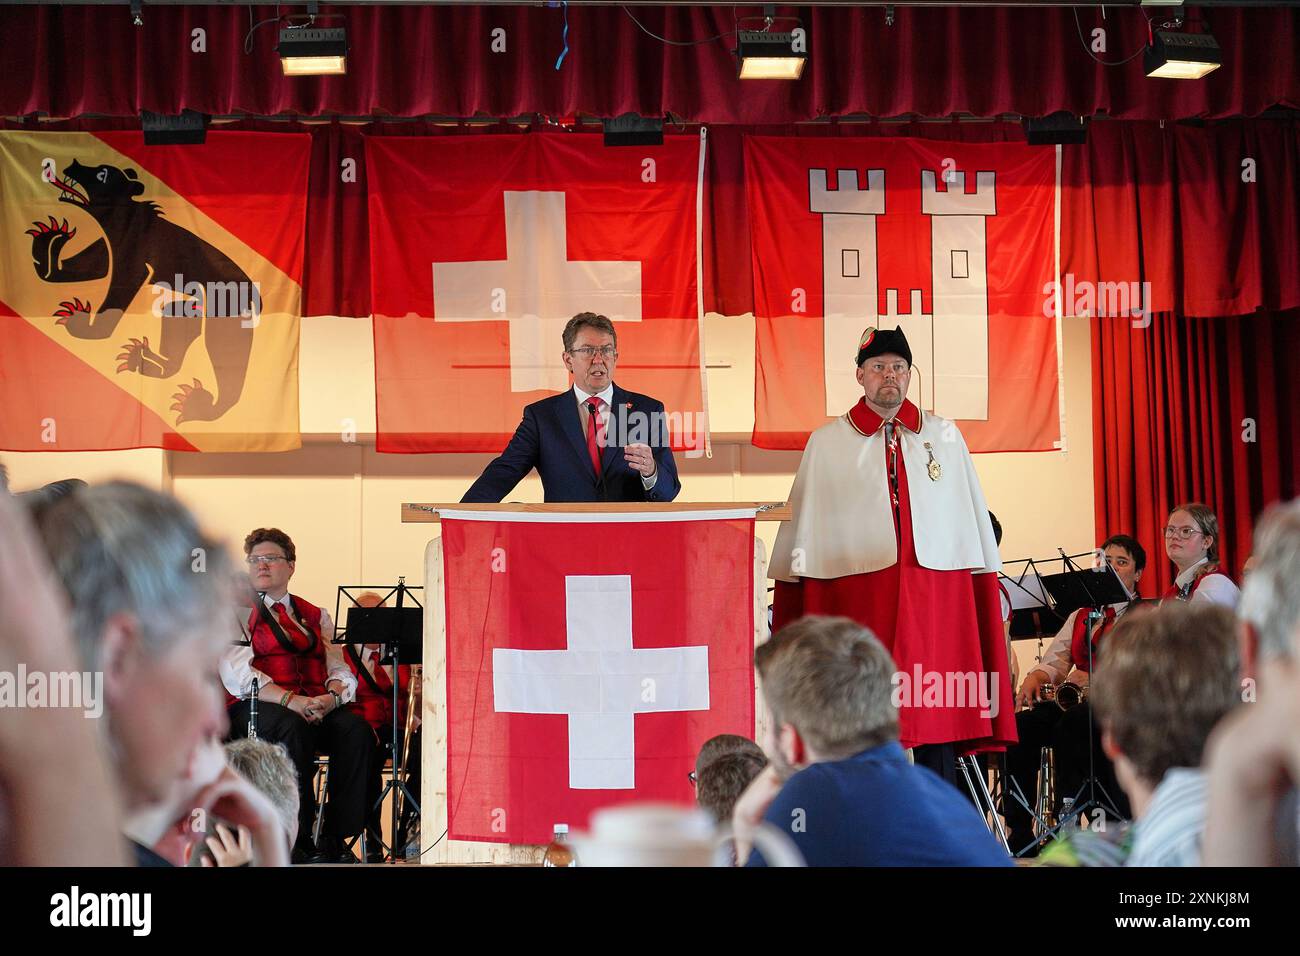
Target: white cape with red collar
x=842, y=521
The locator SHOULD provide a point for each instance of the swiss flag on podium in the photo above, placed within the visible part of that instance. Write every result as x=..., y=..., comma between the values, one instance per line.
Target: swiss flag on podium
x=588, y=660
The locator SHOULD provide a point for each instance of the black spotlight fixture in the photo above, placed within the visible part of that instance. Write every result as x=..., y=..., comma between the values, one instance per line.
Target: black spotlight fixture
x=1182, y=56
x=308, y=50
x=1060, y=128
x=186, y=128
x=632, y=129
x=766, y=55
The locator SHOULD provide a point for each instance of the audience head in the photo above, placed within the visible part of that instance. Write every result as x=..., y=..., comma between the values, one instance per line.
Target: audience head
x=271, y=559
x=267, y=767
x=1270, y=595
x=997, y=528
x=1127, y=556
x=149, y=599
x=720, y=782
x=717, y=746
x=1192, y=533
x=1164, y=680
x=827, y=682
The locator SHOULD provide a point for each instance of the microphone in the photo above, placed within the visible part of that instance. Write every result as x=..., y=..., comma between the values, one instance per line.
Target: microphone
x=593, y=408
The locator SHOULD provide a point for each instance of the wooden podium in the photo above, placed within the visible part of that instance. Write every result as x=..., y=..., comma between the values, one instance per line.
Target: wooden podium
x=435, y=847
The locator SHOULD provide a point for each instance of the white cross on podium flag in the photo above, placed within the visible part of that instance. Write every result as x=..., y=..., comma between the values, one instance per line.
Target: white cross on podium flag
x=536, y=288
x=600, y=681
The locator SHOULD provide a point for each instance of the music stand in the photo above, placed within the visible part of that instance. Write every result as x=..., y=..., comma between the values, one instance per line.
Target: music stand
x=1031, y=611
x=400, y=629
x=1091, y=590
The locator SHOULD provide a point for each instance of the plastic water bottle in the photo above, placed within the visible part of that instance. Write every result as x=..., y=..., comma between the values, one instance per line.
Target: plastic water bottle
x=558, y=851
x=1067, y=812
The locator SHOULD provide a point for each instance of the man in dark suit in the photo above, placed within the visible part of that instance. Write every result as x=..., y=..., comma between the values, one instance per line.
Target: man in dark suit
x=578, y=440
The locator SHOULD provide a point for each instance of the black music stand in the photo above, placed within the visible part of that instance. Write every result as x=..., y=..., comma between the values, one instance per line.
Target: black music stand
x=400, y=629
x=1091, y=590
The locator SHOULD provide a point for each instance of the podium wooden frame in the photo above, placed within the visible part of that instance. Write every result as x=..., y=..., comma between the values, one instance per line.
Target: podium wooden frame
x=434, y=846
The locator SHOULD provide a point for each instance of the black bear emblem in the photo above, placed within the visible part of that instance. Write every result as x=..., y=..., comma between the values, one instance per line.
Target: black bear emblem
x=139, y=246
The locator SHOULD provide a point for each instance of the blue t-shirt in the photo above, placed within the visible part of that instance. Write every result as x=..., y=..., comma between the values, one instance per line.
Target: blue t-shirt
x=877, y=809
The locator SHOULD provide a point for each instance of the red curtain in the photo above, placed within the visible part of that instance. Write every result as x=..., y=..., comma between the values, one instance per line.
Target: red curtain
x=439, y=60
x=1203, y=409
x=1210, y=217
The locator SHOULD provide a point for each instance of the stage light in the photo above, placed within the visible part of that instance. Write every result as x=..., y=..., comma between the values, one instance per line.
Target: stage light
x=1061, y=127
x=186, y=128
x=771, y=56
x=1182, y=56
x=313, y=51
x=632, y=129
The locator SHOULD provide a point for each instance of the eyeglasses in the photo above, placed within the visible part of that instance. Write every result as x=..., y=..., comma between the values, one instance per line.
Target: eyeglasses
x=691, y=777
x=1183, y=533
x=588, y=352
x=255, y=559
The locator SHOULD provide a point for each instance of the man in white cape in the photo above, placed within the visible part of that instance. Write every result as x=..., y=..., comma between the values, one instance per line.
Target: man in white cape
x=889, y=527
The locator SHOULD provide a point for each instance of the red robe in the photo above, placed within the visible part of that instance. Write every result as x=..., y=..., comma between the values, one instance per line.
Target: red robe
x=942, y=621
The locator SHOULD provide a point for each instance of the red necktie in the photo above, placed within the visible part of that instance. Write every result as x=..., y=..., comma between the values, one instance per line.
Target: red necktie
x=595, y=433
x=291, y=630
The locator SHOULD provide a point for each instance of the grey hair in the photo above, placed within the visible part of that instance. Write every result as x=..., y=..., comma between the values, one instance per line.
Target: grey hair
x=123, y=548
x=1270, y=596
x=267, y=767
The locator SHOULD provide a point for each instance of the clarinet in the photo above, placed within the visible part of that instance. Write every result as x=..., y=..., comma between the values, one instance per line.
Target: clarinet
x=252, y=712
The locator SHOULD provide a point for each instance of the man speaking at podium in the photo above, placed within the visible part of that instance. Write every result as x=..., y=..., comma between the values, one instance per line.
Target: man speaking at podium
x=889, y=527
x=566, y=437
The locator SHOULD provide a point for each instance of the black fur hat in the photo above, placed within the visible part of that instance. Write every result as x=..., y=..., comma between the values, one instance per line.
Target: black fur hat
x=881, y=342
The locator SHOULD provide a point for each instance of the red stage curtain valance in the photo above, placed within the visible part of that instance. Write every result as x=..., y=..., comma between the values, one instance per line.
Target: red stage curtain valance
x=419, y=61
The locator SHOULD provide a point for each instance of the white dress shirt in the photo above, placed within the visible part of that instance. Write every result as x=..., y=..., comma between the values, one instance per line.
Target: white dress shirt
x=1214, y=589
x=237, y=670
x=1056, y=661
x=606, y=395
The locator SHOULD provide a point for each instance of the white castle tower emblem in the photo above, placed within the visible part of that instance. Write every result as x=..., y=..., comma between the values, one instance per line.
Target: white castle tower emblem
x=950, y=345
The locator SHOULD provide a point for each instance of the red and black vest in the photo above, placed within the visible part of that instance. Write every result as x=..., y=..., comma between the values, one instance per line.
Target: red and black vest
x=300, y=667
x=1175, y=593
x=1078, y=640
x=374, y=700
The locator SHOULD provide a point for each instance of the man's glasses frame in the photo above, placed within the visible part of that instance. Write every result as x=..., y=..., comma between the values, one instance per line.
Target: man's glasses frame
x=588, y=352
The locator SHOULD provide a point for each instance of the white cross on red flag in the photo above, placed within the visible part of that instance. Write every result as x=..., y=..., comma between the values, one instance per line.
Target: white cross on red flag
x=588, y=659
x=483, y=247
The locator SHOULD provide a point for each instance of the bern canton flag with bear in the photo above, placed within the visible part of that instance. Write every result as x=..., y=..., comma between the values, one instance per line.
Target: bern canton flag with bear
x=150, y=296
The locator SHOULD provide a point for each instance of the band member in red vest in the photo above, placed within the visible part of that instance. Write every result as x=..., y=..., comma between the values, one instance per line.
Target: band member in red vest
x=1192, y=543
x=303, y=683
x=374, y=702
x=1043, y=722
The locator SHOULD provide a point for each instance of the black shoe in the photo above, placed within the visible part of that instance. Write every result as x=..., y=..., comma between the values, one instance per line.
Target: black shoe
x=374, y=848
x=302, y=852
x=329, y=850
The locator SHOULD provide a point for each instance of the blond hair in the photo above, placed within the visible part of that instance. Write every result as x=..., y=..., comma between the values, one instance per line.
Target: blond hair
x=831, y=679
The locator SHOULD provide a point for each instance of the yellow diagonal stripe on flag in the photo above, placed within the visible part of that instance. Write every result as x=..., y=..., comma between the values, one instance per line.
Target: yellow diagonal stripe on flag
x=257, y=356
